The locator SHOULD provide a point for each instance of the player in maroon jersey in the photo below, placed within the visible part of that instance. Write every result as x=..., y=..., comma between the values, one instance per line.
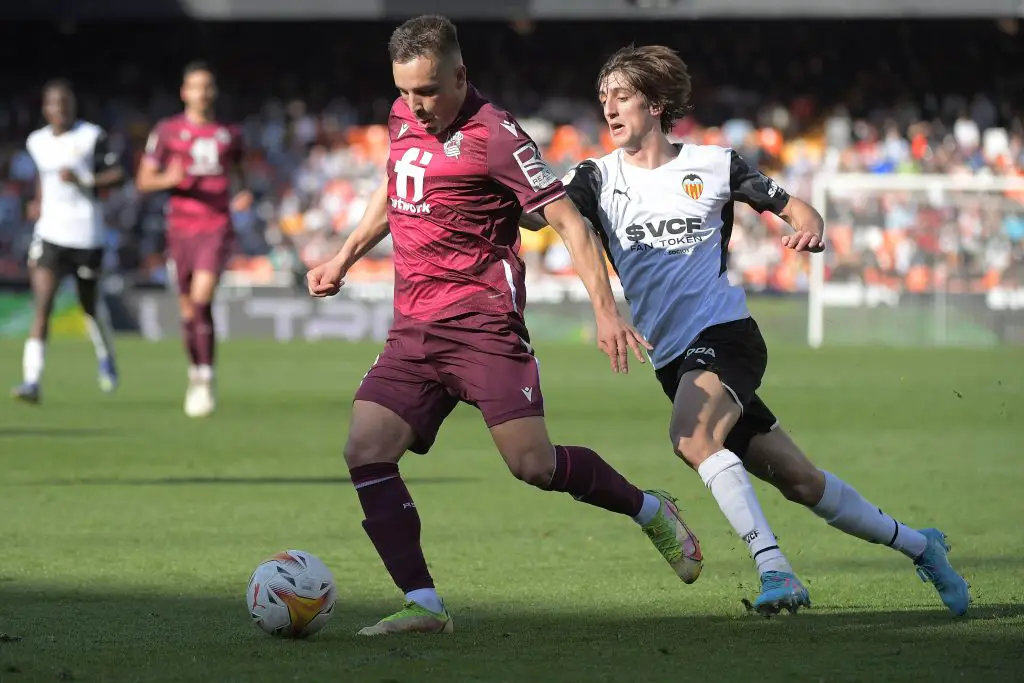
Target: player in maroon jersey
x=197, y=158
x=460, y=173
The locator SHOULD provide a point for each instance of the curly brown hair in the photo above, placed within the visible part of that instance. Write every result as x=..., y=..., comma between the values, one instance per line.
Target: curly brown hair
x=658, y=74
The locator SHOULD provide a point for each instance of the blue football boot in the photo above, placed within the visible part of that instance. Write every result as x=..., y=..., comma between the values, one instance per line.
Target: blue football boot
x=27, y=392
x=933, y=567
x=780, y=590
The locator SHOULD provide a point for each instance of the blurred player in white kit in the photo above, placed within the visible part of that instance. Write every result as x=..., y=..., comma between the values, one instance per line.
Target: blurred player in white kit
x=73, y=162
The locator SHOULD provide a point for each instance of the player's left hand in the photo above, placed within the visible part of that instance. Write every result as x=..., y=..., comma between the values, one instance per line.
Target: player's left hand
x=615, y=337
x=68, y=176
x=804, y=240
x=241, y=201
x=325, y=279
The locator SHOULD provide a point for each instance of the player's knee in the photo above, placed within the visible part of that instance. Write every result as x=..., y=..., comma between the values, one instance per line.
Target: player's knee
x=804, y=487
x=534, y=466
x=363, y=449
x=697, y=447
x=186, y=309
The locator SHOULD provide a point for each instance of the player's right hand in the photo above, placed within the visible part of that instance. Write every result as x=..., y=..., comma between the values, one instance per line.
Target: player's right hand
x=615, y=337
x=174, y=175
x=32, y=210
x=325, y=279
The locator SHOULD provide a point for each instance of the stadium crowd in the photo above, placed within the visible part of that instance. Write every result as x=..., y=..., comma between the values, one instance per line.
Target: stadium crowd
x=316, y=144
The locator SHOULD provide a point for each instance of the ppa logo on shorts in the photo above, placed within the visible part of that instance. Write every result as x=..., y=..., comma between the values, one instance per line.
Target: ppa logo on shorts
x=701, y=351
x=533, y=166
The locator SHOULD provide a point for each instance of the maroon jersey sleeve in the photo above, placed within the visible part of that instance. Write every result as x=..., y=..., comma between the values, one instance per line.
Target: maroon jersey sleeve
x=156, y=144
x=514, y=160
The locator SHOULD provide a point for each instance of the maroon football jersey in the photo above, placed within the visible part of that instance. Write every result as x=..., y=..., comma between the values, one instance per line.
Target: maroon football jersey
x=202, y=202
x=454, y=203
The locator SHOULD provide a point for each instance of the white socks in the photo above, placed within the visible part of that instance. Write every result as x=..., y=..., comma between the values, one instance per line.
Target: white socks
x=33, y=360
x=648, y=510
x=727, y=479
x=426, y=597
x=200, y=373
x=845, y=509
x=100, y=336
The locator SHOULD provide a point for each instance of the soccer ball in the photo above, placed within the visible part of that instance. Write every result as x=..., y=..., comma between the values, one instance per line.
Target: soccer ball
x=291, y=594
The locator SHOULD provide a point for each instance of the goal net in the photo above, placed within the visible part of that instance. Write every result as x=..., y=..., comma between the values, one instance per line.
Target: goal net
x=918, y=260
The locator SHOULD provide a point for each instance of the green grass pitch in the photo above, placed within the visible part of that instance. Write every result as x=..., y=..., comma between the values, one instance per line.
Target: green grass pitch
x=128, y=532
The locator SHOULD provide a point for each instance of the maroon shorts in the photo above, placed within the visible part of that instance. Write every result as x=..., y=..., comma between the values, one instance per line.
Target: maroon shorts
x=207, y=251
x=427, y=368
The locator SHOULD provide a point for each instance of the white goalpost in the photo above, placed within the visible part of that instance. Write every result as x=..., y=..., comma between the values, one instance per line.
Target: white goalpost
x=916, y=259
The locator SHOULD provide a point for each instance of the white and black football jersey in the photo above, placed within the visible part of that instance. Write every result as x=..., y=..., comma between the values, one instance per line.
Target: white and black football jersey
x=666, y=232
x=70, y=216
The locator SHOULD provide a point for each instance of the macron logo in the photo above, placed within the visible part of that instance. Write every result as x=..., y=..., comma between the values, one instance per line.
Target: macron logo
x=402, y=131
x=528, y=393
x=510, y=127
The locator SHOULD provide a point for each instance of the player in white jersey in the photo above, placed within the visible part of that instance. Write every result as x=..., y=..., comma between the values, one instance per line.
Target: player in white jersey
x=664, y=213
x=73, y=162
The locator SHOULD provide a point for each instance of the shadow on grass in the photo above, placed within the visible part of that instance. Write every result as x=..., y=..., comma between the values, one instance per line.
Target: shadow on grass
x=248, y=481
x=51, y=432
x=138, y=637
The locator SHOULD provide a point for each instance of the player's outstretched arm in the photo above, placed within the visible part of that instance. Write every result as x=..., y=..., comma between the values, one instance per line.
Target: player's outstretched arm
x=327, y=278
x=615, y=336
x=752, y=187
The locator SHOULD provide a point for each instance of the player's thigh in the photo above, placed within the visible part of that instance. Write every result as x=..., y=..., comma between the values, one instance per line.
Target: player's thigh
x=203, y=285
x=210, y=256
x=46, y=265
x=407, y=390
x=181, y=249
x=703, y=414
x=489, y=363
x=711, y=384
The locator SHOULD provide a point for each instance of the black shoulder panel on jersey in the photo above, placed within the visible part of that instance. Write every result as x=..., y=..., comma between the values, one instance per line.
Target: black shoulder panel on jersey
x=751, y=186
x=584, y=189
x=103, y=157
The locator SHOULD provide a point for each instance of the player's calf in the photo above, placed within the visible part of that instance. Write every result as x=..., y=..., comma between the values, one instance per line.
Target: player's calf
x=584, y=475
x=774, y=458
x=377, y=439
x=575, y=470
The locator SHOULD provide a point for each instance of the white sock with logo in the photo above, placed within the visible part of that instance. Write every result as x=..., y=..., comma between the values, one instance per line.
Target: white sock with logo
x=33, y=360
x=727, y=479
x=845, y=509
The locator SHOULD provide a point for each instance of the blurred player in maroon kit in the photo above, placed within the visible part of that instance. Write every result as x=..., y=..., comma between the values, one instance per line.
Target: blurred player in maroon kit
x=459, y=175
x=197, y=158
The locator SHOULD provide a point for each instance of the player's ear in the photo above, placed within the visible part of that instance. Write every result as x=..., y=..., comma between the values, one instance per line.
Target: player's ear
x=460, y=75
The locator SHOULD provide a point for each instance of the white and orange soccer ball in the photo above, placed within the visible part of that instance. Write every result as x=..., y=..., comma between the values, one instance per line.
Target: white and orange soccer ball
x=291, y=594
